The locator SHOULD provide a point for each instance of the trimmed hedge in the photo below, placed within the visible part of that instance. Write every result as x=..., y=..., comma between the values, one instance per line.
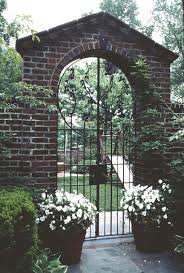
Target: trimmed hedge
x=18, y=232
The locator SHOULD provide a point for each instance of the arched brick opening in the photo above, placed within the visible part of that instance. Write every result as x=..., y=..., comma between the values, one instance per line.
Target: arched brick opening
x=35, y=152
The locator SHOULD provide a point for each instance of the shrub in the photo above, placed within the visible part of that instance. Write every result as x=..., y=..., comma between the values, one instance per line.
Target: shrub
x=18, y=233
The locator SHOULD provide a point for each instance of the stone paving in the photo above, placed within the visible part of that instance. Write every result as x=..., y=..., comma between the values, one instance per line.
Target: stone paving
x=120, y=256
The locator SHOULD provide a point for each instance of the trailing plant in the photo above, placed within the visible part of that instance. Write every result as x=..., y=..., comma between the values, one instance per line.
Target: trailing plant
x=150, y=141
x=46, y=264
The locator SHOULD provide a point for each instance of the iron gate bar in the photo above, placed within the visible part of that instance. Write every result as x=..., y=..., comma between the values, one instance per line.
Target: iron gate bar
x=98, y=144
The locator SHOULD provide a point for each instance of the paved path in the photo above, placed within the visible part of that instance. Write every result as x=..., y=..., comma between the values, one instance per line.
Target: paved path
x=120, y=256
x=122, y=169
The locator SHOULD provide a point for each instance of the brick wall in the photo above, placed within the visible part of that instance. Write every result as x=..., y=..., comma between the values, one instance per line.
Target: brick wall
x=34, y=151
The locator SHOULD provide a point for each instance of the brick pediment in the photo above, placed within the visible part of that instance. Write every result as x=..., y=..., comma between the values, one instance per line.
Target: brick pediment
x=101, y=26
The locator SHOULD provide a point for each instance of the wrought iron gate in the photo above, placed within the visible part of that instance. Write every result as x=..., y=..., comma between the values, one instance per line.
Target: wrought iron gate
x=95, y=145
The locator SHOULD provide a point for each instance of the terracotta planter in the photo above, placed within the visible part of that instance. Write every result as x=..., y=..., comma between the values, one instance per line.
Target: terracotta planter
x=150, y=239
x=71, y=247
x=68, y=243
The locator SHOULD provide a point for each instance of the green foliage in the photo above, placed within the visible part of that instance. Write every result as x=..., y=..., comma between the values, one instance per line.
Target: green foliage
x=169, y=22
x=78, y=106
x=124, y=10
x=78, y=93
x=45, y=264
x=18, y=233
x=150, y=137
x=180, y=246
x=13, y=29
x=175, y=139
x=13, y=92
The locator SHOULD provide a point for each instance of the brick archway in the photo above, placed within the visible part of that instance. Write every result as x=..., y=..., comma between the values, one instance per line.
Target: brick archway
x=98, y=35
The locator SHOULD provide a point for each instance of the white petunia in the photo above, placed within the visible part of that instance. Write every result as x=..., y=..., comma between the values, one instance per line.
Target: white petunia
x=37, y=221
x=67, y=220
x=144, y=213
x=165, y=216
x=59, y=208
x=74, y=216
x=43, y=195
x=79, y=213
x=52, y=227
x=164, y=209
x=42, y=219
x=141, y=206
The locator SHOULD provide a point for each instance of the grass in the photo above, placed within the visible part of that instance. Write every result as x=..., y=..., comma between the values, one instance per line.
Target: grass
x=109, y=193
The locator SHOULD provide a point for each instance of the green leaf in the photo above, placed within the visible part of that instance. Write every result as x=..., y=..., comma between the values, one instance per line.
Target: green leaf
x=36, y=269
x=60, y=269
x=180, y=248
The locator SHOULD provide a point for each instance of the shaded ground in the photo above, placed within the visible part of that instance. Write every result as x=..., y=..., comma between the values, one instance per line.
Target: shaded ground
x=120, y=256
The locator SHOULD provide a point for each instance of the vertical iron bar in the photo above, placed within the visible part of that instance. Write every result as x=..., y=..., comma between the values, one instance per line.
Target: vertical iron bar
x=84, y=165
x=123, y=152
x=117, y=179
x=65, y=156
x=98, y=142
x=111, y=141
x=71, y=151
x=77, y=139
x=90, y=165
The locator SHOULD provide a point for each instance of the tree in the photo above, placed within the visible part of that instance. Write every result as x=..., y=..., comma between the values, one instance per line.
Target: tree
x=78, y=106
x=124, y=10
x=127, y=11
x=169, y=20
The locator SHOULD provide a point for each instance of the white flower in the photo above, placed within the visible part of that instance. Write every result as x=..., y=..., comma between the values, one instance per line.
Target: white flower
x=141, y=206
x=37, y=221
x=160, y=181
x=169, y=191
x=148, y=206
x=52, y=227
x=42, y=219
x=79, y=213
x=64, y=209
x=144, y=213
x=164, y=209
x=74, y=216
x=47, y=212
x=67, y=220
x=165, y=216
x=59, y=208
x=43, y=195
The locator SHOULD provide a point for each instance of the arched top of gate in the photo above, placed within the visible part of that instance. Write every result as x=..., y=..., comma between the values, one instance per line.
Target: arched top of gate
x=101, y=49
x=101, y=35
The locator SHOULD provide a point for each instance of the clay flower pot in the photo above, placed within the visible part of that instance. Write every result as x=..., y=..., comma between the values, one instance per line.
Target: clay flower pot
x=150, y=239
